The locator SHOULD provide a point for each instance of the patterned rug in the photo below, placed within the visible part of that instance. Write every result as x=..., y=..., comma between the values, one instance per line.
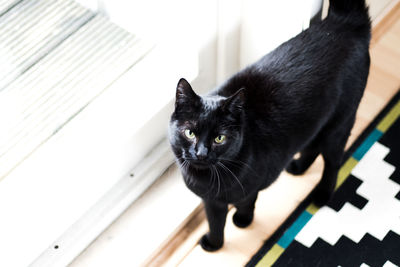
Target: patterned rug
x=360, y=226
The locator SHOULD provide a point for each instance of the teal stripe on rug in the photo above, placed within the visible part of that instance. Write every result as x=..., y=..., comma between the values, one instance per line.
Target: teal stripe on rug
x=290, y=233
x=366, y=145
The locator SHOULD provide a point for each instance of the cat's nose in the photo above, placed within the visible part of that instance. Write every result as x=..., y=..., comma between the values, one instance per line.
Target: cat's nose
x=201, y=152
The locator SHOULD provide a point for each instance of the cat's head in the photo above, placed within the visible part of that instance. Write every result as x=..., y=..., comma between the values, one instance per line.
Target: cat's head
x=206, y=130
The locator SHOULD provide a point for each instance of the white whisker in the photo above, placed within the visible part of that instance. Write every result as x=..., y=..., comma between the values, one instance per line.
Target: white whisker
x=218, y=179
x=234, y=176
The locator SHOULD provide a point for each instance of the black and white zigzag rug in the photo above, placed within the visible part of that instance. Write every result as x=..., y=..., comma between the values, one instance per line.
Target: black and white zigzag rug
x=360, y=226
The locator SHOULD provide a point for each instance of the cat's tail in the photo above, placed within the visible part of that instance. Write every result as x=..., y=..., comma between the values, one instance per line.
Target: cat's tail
x=351, y=12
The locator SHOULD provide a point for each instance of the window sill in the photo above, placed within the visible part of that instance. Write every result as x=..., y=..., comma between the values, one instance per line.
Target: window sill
x=153, y=217
x=144, y=226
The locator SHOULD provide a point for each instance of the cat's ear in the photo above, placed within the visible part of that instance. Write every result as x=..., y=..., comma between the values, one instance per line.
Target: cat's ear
x=235, y=102
x=185, y=93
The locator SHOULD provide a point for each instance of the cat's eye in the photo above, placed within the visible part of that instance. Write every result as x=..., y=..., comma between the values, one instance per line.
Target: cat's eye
x=189, y=134
x=220, y=139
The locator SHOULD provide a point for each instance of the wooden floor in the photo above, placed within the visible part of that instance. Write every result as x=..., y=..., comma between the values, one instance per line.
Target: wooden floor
x=277, y=202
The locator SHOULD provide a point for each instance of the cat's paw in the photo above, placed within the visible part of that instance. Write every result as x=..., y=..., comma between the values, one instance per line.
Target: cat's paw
x=209, y=246
x=295, y=168
x=321, y=197
x=241, y=220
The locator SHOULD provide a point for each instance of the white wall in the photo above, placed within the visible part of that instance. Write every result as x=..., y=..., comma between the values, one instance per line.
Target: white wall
x=229, y=34
x=189, y=24
x=266, y=24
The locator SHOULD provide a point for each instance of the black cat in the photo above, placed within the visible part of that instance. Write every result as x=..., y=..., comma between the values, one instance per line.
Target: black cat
x=301, y=97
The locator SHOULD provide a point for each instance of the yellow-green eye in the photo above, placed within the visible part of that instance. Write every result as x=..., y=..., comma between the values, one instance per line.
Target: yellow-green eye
x=220, y=139
x=189, y=134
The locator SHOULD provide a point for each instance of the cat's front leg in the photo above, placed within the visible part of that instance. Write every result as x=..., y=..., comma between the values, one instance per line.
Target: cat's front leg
x=245, y=211
x=216, y=216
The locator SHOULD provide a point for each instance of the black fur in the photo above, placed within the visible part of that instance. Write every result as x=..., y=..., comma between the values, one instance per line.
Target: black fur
x=302, y=97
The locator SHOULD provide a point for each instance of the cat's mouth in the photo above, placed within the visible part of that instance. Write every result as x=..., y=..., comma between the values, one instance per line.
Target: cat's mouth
x=200, y=164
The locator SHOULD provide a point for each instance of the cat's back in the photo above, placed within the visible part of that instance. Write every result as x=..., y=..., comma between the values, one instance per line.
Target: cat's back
x=311, y=76
x=312, y=66
x=318, y=60
x=321, y=50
